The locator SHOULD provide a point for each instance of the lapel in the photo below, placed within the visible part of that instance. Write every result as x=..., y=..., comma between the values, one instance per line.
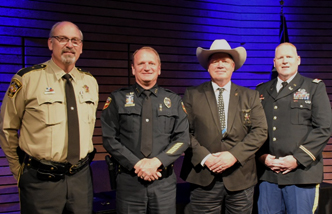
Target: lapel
x=291, y=87
x=272, y=90
x=212, y=102
x=232, y=108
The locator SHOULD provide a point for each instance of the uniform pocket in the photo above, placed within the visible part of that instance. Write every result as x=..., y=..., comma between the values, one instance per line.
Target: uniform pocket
x=52, y=109
x=130, y=119
x=166, y=120
x=88, y=103
x=301, y=112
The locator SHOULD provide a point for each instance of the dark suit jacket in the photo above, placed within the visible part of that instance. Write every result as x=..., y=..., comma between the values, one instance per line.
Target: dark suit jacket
x=299, y=120
x=246, y=132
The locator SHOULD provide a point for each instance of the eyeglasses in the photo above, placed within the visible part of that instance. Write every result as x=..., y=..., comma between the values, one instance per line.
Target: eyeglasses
x=64, y=40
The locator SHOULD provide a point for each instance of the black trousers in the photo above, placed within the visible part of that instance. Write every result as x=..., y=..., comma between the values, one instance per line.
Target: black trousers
x=73, y=194
x=211, y=200
x=133, y=195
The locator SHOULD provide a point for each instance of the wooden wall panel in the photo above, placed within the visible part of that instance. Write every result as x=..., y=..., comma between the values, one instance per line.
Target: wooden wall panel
x=114, y=29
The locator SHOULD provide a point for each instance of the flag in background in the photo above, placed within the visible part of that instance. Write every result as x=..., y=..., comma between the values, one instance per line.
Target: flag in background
x=283, y=37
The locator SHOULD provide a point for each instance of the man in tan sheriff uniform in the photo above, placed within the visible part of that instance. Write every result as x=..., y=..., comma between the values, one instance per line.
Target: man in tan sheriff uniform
x=34, y=129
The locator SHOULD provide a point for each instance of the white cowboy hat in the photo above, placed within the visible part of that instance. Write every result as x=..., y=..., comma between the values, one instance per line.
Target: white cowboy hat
x=238, y=54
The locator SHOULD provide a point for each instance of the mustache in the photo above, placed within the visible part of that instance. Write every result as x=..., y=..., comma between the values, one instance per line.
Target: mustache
x=68, y=50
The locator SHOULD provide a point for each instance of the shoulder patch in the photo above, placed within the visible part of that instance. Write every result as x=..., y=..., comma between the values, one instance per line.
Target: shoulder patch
x=32, y=68
x=107, y=103
x=14, y=87
x=317, y=80
x=84, y=72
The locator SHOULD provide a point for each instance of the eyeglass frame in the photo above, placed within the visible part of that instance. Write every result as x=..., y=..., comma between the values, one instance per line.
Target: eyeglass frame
x=71, y=40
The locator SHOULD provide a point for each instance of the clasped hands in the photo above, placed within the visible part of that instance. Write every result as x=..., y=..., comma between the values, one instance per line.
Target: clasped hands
x=220, y=161
x=148, y=169
x=282, y=164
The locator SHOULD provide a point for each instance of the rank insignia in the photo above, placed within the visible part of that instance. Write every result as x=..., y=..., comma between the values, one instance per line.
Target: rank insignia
x=86, y=88
x=108, y=102
x=184, y=108
x=316, y=80
x=167, y=102
x=49, y=90
x=14, y=87
x=130, y=99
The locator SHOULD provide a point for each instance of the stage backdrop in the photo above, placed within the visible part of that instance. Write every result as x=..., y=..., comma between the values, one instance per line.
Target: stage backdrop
x=114, y=29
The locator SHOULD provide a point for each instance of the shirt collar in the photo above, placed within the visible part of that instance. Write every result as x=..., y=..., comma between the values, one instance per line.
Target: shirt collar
x=140, y=90
x=279, y=82
x=59, y=72
x=227, y=87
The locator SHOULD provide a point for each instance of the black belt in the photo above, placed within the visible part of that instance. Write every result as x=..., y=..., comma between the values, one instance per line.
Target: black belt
x=165, y=171
x=54, y=171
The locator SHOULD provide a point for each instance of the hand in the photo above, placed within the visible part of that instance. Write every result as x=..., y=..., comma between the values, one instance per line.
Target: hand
x=147, y=169
x=288, y=163
x=221, y=161
x=271, y=162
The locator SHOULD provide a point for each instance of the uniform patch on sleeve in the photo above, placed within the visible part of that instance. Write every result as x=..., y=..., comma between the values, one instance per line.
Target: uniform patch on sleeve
x=108, y=102
x=14, y=87
x=184, y=108
x=174, y=148
x=317, y=80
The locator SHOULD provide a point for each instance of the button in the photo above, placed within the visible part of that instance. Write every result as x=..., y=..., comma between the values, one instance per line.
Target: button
x=71, y=108
x=274, y=128
x=275, y=107
x=274, y=139
x=275, y=117
x=52, y=168
x=147, y=120
x=301, y=106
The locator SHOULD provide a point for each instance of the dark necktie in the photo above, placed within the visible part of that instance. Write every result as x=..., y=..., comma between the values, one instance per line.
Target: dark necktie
x=221, y=109
x=146, y=126
x=73, y=154
x=284, y=84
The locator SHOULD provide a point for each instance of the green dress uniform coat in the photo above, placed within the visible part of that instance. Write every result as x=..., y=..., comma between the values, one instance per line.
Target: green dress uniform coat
x=299, y=121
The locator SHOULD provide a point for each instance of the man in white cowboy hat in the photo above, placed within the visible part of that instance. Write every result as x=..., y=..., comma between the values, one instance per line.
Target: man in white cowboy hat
x=227, y=126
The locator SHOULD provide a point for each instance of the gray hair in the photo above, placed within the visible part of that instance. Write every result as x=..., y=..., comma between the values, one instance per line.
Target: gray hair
x=56, y=24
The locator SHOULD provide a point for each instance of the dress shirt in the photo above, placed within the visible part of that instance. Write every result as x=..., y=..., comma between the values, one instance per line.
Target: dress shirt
x=226, y=95
x=38, y=112
x=279, y=82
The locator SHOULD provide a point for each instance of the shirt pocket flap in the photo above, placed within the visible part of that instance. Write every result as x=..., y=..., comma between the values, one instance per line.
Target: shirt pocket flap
x=301, y=105
x=130, y=110
x=86, y=98
x=49, y=99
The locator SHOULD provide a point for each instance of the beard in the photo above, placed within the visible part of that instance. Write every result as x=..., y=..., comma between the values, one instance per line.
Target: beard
x=68, y=59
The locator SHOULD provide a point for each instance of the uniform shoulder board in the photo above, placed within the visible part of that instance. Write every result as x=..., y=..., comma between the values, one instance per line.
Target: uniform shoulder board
x=32, y=68
x=84, y=71
x=261, y=83
x=317, y=80
x=170, y=91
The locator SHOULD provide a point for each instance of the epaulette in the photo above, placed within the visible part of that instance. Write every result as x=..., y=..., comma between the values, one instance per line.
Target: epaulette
x=317, y=80
x=168, y=90
x=32, y=68
x=84, y=72
x=261, y=83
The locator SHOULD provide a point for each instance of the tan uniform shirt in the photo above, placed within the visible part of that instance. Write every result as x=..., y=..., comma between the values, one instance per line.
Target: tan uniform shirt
x=35, y=105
